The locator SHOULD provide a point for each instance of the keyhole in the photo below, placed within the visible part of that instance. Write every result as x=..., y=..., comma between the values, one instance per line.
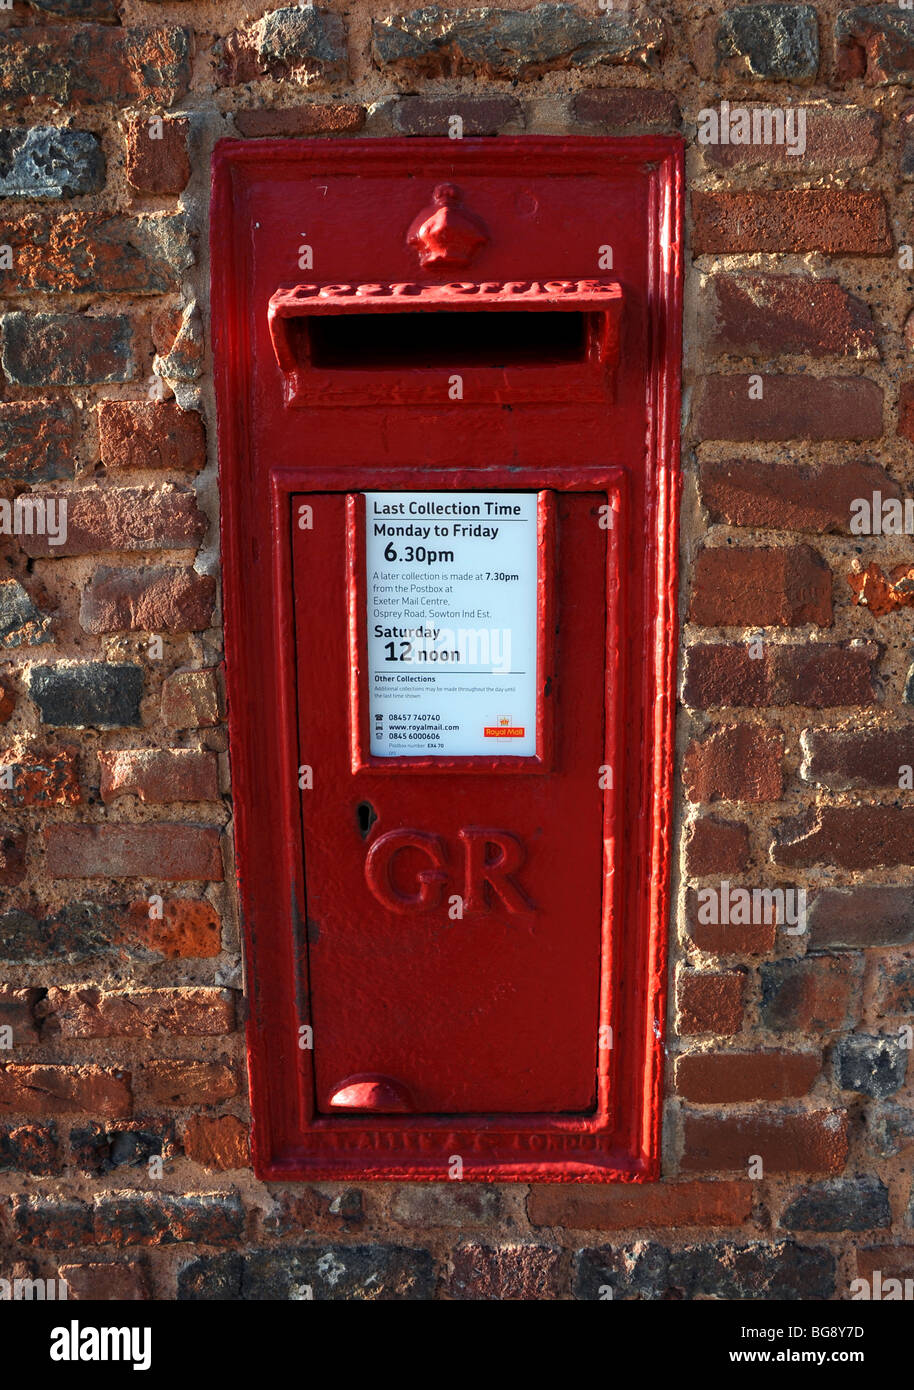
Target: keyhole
x=366, y=815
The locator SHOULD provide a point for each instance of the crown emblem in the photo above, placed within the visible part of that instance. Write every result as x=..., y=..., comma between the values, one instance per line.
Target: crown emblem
x=445, y=233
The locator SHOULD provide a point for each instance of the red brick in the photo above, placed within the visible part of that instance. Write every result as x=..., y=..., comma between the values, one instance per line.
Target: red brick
x=187, y=927
x=150, y=1218
x=12, y=856
x=768, y=493
x=740, y=762
x=837, y=138
x=178, y=853
x=819, y=675
x=128, y=1218
x=851, y=837
x=792, y=407
x=715, y=846
x=768, y=314
x=877, y=591
x=894, y=1262
x=507, y=1273
x=883, y=593
x=177, y=332
x=79, y=252
x=157, y=598
x=414, y=1204
x=725, y=675
x=125, y=519
x=905, y=427
x=786, y=586
x=41, y=778
x=55, y=1090
x=51, y=1221
x=71, y=65
x=813, y=1142
x=833, y=220
x=868, y=916
x=159, y=775
x=312, y=1210
x=219, y=1143
x=87, y=1012
x=626, y=109
x=874, y=43
x=637, y=1206
x=95, y=1282
x=157, y=163
x=721, y=1078
x=728, y=938
x=150, y=434
x=173, y=1081
x=893, y=986
x=237, y=59
x=190, y=700
x=811, y=994
x=844, y=758
x=17, y=1011
x=709, y=1002
x=317, y=118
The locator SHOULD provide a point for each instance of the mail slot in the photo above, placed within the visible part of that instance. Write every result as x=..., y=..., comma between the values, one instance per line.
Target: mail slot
x=447, y=378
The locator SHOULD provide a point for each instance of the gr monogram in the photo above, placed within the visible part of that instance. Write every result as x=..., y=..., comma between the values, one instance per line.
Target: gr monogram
x=488, y=861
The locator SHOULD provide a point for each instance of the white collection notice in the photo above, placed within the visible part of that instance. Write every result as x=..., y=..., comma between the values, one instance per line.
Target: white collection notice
x=452, y=627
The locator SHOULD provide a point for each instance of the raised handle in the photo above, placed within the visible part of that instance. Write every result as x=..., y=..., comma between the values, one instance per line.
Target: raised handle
x=370, y=1092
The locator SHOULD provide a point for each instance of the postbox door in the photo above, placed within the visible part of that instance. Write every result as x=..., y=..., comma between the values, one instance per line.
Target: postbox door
x=454, y=906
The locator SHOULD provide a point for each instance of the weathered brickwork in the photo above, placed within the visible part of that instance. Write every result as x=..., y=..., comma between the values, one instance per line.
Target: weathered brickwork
x=789, y=1111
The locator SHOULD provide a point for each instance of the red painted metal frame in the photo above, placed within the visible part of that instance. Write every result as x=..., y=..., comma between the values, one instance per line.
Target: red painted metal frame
x=588, y=379
x=259, y=621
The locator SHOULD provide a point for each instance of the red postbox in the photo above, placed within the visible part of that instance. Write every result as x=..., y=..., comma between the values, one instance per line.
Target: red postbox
x=447, y=377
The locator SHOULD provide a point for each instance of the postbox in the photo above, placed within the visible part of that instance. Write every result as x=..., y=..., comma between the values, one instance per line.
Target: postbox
x=448, y=396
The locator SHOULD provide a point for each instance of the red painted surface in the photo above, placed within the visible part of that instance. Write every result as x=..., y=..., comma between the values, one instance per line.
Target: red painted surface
x=479, y=1038
x=495, y=1013
x=309, y=382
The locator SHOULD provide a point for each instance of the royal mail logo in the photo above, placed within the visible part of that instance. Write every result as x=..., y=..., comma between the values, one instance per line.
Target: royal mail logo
x=504, y=729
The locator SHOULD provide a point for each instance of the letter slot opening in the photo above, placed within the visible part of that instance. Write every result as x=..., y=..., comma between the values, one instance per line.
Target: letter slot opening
x=442, y=339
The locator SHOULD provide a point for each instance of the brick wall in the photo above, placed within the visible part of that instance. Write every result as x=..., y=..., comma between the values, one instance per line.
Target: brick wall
x=788, y=1128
